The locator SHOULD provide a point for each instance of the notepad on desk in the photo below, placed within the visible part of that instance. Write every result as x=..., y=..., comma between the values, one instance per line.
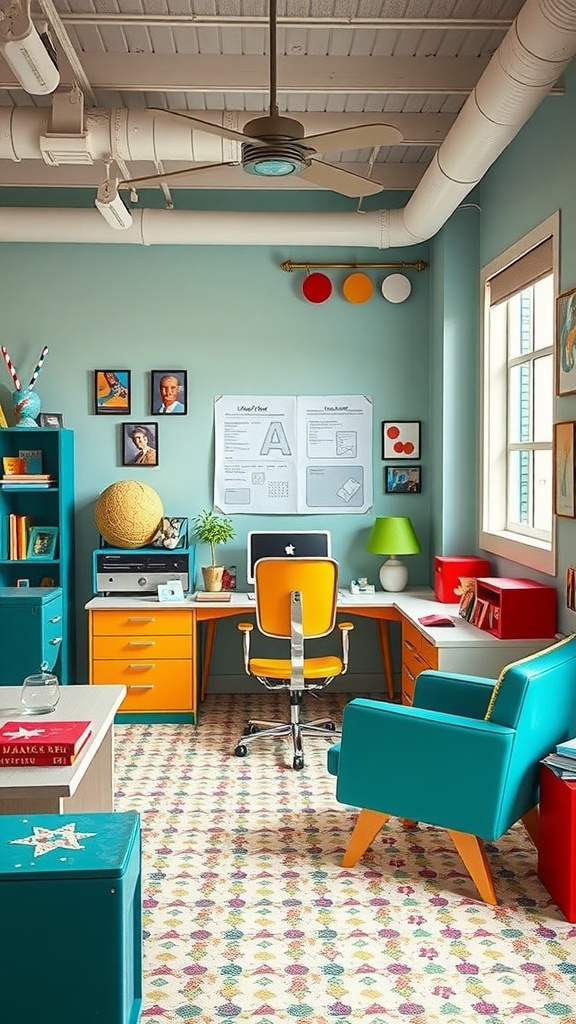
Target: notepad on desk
x=436, y=620
x=220, y=595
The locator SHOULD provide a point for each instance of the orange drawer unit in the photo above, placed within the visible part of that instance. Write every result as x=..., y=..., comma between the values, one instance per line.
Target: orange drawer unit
x=418, y=654
x=151, y=653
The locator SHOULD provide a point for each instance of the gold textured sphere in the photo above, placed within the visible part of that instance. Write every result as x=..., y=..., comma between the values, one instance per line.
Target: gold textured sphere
x=128, y=513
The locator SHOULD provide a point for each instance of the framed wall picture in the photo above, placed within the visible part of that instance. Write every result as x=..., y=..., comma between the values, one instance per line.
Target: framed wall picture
x=169, y=392
x=112, y=392
x=42, y=542
x=564, y=469
x=140, y=444
x=402, y=479
x=566, y=343
x=401, y=439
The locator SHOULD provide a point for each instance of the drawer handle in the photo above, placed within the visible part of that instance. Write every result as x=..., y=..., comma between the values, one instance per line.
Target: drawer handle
x=408, y=673
x=409, y=645
x=139, y=667
x=136, y=686
x=140, y=618
x=141, y=643
x=57, y=640
x=57, y=618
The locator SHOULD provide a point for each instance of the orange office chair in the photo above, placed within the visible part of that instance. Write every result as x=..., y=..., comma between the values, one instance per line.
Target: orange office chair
x=296, y=601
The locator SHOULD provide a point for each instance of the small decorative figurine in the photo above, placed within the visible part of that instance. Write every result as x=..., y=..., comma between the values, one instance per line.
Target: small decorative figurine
x=26, y=402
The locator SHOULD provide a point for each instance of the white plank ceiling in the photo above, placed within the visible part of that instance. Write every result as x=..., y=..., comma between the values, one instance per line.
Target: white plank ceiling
x=409, y=63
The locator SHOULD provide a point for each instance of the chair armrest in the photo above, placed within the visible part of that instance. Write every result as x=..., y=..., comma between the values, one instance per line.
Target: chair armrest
x=424, y=764
x=453, y=693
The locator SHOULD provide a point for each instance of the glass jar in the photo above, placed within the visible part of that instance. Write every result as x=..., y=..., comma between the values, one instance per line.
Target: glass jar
x=40, y=692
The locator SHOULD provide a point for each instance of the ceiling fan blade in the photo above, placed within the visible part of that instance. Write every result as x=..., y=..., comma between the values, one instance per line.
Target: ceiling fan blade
x=168, y=176
x=207, y=126
x=362, y=136
x=338, y=180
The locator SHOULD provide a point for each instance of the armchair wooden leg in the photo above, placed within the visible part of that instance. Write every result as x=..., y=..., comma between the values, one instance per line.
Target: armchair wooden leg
x=531, y=822
x=367, y=827
x=471, y=850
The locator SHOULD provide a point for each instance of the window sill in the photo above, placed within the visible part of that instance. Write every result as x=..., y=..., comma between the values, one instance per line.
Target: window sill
x=533, y=554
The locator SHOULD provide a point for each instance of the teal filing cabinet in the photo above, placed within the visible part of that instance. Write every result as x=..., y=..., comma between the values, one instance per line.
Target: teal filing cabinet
x=31, y=627
x=70, y=897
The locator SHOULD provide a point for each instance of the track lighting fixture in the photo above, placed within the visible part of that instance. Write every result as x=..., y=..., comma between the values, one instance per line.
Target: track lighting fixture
x=30, y=54
x=110, y=205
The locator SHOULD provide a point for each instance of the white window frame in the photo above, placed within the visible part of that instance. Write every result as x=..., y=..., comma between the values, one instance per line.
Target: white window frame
x=531, y=552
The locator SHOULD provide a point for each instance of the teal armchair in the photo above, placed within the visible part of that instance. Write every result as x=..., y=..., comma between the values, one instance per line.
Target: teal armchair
x=465, y=756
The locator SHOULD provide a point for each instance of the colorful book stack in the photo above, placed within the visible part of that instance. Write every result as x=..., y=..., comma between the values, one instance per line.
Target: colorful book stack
x=39, y=743
x=563, y=762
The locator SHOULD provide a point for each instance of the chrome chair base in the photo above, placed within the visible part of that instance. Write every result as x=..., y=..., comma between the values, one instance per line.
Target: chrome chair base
x=257, y=729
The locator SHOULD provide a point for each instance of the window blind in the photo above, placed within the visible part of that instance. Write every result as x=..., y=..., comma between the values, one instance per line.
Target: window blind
x=529, y=268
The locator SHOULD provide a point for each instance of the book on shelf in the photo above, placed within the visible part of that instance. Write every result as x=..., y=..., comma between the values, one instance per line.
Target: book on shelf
x=13, y=464
x=23, y=525
x=43, y=738
x=567, y=748
x=24, y=485
x=206, y=595
x=28, y=478
x=32, y=459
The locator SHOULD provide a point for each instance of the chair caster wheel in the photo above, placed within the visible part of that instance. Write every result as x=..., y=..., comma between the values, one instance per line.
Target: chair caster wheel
x=330, y=727
x=240, y=750
x=250, y=730
x=298, y=764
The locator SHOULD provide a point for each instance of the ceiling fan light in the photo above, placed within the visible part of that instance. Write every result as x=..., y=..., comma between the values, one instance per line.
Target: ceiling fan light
x=270, y=167
x=276, y=160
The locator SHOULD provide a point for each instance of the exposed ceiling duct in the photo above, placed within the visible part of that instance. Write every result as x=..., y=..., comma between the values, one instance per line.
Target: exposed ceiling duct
x=536, y=50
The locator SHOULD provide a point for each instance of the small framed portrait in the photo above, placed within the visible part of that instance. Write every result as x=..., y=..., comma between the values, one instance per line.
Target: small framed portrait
x=401, y=439
x=112, y=392
x=402, y=479
x=140, y=444
x=566, y=343
x=51, y=419
x=564, y=455
x=169, y=392
x=42, y=542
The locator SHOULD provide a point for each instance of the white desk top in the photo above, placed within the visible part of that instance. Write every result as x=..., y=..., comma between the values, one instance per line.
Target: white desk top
x=97, y=704
x=413, y=603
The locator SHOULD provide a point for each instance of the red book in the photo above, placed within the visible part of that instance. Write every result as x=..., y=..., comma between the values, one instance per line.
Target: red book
x=43, y=760
x=43, y=739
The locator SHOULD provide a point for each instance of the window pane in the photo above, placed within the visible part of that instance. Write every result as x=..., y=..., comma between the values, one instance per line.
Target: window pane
x=543, y=404
x=544, y=313
x=519, y=488
x=543, y=491
x=519, y=403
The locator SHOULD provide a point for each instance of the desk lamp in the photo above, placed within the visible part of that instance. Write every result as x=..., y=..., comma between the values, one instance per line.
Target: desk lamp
x=393, y=535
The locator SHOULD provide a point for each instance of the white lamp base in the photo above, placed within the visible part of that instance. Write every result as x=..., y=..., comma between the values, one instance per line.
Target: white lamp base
x=393, y=575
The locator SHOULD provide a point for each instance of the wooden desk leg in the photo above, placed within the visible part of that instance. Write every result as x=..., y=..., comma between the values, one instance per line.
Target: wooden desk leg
x=384, y=637
x=207, y=656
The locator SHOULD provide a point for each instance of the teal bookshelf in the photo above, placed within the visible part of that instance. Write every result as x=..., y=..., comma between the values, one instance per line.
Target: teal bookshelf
x=46, y=506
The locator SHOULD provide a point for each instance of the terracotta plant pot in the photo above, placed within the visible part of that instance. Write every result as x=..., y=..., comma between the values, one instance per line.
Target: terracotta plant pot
x=212, y=577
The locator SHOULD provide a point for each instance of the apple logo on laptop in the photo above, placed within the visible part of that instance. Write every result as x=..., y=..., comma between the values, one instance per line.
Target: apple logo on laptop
x=289, y=549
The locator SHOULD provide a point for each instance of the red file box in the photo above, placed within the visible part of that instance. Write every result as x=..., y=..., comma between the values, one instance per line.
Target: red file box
x=557, y=840
x=449, y=569
x=515, y=609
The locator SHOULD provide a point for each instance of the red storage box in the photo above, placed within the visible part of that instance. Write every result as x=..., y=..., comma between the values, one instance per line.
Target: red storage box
x=515, y=609
x=449, y=569
x=557, y=840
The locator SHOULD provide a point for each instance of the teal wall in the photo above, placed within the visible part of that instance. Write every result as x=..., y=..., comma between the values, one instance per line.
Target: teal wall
x=239, y=324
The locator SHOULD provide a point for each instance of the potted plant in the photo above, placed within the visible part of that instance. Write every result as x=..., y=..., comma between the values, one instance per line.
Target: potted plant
x=213, y=529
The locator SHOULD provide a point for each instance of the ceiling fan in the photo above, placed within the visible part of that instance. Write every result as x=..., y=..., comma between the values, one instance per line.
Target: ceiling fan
x=275, y=146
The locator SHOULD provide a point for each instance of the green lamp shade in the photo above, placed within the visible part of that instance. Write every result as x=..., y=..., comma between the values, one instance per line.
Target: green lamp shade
x=393, y=535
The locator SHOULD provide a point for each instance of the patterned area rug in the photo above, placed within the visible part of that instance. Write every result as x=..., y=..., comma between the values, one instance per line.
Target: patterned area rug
x=249, y=916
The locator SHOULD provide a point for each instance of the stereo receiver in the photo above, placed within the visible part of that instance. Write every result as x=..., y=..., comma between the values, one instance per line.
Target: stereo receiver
x=140, y=570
